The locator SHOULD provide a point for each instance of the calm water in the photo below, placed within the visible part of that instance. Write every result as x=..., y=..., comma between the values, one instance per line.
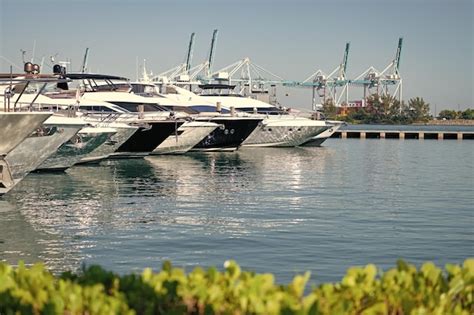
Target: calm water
x=285, y=211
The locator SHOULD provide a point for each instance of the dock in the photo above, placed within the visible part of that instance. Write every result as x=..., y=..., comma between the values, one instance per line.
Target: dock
x=418, y=132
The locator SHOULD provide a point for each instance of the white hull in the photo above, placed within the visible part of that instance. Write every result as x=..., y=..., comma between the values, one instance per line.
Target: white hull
x=70, y=153
x=123, y=133
x=34, y=150
x=278, y=129
x=284, y=131
x=189, y=134
x=14, y=129
x=319, y=139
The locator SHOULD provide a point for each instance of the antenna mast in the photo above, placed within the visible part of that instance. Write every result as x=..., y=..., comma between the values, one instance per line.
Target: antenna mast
x=34, y=50
x=23, y=53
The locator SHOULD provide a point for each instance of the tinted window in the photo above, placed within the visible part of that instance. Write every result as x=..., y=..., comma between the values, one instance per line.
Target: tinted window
x=185, y=109
x=263, y=110
x=95, y=108
x=86, y=108
x=133, y=107
x=207, y=109
x=103, y=109
x=147, y=90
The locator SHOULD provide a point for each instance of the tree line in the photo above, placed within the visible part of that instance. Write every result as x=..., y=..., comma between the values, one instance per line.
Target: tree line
x=388, y=110
x=452, y=114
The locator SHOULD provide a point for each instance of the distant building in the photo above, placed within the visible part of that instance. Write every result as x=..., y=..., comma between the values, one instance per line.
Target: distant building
x=351, y=106
x=357, y=103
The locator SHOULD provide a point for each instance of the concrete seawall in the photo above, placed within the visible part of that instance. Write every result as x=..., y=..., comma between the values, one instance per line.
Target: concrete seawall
x=420, y=132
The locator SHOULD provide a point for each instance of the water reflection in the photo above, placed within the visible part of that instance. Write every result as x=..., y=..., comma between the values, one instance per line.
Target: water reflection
x=351, y=203
x=18, y=239
x=65, y=215
x=64, y=208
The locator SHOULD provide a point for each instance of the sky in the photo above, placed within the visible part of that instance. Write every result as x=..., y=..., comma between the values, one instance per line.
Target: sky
x=290, y=38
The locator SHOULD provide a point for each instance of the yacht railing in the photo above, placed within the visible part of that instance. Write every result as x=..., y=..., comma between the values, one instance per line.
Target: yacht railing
x=8, y=85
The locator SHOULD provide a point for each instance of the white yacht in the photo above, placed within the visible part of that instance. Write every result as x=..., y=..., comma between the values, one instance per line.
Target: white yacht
x=123, y=133
x=15, y=128
x=44, y=142
x=187, y=136
x=317, y=140
x=98, y=115
x=100, y=140
x=78, y=148
x=277, y=129
x=41, y=133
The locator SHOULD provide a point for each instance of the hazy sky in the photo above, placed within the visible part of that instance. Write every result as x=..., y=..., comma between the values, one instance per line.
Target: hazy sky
x=290, y=38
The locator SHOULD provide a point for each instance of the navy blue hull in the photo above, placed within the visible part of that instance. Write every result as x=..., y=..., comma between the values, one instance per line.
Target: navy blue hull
x=230, y=135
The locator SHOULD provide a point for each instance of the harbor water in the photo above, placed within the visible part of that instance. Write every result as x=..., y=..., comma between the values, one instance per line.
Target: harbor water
x=285, y=211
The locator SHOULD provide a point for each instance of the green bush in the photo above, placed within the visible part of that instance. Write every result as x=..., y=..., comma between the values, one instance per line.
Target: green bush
x=363, y=290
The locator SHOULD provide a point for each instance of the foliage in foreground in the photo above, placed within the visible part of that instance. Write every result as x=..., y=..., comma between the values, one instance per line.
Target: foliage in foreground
x=364, y=290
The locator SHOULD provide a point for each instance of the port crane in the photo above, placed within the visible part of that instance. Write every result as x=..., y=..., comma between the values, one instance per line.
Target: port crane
x=251, y=78
x=181, y=71
x=326, y=85
x=387, y=82
x=184, y=74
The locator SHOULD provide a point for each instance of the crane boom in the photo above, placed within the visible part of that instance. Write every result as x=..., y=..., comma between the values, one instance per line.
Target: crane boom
x=189, y=57
x=344, y=60
x=211, y=52
x=84, y=62
x=399, y=52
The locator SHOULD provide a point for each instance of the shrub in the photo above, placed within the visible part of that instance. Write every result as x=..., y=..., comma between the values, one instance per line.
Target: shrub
x=363, y=290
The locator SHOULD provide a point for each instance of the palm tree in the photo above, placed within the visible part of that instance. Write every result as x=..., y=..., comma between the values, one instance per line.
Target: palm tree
x=417, y=110
x=384, y=109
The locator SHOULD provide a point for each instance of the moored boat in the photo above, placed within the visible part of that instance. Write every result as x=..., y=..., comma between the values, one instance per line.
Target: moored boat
x=187, y=136
x=15, y=127
x=317, y=140
x=42, y=144
x=233, y=128
x=81, y=145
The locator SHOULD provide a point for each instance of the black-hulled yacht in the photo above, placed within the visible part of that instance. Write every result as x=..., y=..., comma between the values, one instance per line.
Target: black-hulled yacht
x=233, y=128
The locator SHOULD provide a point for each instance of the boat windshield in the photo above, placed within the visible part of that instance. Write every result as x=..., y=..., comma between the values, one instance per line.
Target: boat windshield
x=217, y=90
x=96, y=83
x=134, y=107
x=184, y=109
x=147, y=90
x=101, y=108
x=208, y=109
x=263, y=110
